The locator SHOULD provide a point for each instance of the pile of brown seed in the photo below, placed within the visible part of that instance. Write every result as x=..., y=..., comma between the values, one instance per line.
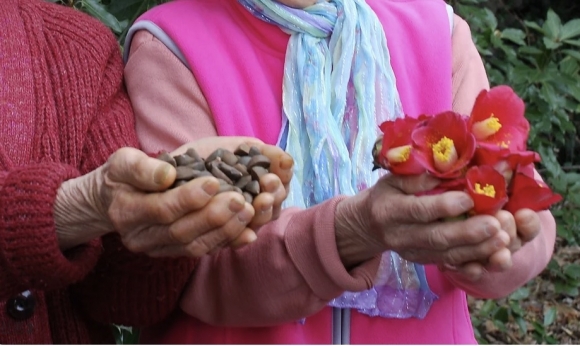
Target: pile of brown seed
x=238, y=171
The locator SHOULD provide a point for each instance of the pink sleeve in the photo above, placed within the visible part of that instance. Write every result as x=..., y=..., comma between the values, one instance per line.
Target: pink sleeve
x=469, y=78
x=293, y=269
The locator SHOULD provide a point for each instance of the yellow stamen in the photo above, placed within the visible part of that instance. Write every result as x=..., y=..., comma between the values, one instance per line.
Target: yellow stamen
x=485, y=128
x=487, y=190
x=444, y=154
x=399, y=154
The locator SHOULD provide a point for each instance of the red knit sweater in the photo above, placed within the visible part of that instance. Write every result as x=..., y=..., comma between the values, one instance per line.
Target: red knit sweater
x=63, y=111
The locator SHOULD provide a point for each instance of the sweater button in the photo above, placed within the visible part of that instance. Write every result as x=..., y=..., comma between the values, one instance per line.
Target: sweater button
x=22, y=306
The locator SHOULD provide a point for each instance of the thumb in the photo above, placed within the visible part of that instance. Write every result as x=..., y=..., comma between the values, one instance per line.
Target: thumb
x=133, y=167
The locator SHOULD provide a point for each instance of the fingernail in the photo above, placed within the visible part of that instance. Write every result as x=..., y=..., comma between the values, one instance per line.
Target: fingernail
x=210, y=187
x=236, y=205
x=161, y=173
x=244, y=217
x=286, y=163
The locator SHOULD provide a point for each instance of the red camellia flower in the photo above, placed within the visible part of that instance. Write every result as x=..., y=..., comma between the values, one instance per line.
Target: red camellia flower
x=397, y=153
x=527, y=192
x=444, y=145
x=487, y=188
x=503, y=160
x=498, y=119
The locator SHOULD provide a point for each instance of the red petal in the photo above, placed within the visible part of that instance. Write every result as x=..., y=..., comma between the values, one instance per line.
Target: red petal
x=486, y=175
x=509, y=108
x=528, y=193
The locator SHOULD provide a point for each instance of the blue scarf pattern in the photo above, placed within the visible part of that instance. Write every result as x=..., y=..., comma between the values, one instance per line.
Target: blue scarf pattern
x=338, y=85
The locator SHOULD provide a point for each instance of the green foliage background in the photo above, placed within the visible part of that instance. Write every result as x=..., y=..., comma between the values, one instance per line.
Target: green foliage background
x=533, y=46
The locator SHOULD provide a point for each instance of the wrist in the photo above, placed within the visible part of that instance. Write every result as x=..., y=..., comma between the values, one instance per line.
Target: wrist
x=80, y=214
x=354, y=238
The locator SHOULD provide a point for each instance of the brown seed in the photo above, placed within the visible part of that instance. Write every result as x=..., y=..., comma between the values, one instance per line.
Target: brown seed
x=243, y=169
x=199, y=174
x=254, y=151
x=253, y=187
x=230, y=171
x=244, y=160
x=218, y=173
x=164, y=156
x=259, y=160
x=198, y=166
x=184, y=173
x=183, y=160
x=249, y=198
x=243, y=181
x=192, y=153
x=217, y=153
x=229, y=157
x=242, y=150
x=257, y=172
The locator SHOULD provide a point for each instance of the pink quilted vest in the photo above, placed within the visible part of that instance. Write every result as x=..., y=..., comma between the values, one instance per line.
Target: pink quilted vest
x=239, y=68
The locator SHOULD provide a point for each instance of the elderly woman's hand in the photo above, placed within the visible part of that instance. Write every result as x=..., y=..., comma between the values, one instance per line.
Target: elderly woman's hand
x=522, y=227
x=129, y=194
x=388, y=216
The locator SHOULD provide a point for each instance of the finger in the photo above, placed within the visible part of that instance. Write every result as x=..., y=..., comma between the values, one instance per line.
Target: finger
x=246, y=237
x=441, y=236
x=472, y=271
x=131, y=209
x=220, y=210
x=508, y=225
x=481, y=252
x=271, y=183
x=209, y=242
x=263, y=206
x=133, y=167
x=500, y=261
x=528, y=224
x=412, y=184
x=426, y=209
x=281, y=163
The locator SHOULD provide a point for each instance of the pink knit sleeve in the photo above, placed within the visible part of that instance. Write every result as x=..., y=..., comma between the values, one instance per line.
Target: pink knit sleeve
x=469, y=78
x=293, y=269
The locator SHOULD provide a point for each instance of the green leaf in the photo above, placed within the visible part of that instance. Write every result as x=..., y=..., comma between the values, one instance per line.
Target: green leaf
x=572, y=270
x=534, y=26
x=96, y=9
x=553, y=26
x=571, y=29
x=550, y=316
x=573, y=42
x=521, y=293
x=515, y=35
x=522, y=324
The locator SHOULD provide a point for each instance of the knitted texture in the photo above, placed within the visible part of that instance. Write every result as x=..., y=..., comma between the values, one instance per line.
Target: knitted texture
x=63, y=112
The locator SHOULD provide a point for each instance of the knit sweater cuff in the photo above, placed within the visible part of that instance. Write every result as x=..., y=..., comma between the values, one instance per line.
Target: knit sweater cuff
x=28, y=242
x=314, y=251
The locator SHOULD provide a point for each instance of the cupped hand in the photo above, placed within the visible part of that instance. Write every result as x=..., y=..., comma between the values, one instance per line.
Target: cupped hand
x=190, y=220
x=423, y=229
x=274, y=186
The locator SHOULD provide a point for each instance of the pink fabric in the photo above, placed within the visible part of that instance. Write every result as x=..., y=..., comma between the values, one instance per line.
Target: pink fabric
x=448, y=321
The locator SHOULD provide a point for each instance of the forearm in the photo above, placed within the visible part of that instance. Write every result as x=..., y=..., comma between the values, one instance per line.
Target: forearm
x=290, y=272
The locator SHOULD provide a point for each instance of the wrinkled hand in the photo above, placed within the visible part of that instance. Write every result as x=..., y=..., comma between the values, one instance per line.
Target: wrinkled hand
x=522, y=227
x=190, y=220
x=388, y=216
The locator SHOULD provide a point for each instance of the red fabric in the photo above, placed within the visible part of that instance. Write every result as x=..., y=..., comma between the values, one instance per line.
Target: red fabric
x=63, y=111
